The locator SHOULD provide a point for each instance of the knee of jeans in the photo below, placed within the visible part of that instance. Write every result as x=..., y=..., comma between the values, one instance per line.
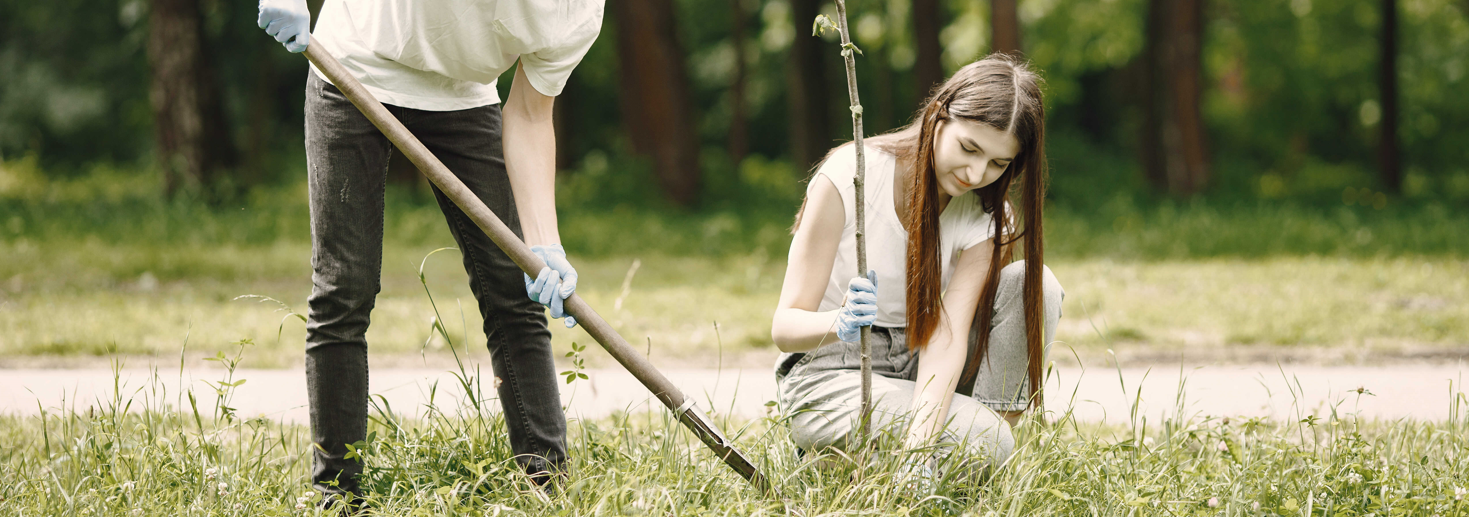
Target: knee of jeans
x=1012, y=279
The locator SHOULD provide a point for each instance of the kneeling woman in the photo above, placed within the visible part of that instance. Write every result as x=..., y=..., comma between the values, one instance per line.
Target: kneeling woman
x=949, y=309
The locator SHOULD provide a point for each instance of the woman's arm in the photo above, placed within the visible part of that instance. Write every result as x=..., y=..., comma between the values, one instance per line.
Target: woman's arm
x=797, y=327
x=942, y=361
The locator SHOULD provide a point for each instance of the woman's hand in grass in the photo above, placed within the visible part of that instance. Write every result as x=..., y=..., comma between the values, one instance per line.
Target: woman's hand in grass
x=860, y=308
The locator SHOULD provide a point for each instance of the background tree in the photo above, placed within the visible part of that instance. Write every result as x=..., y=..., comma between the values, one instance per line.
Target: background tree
x=1387, y=152
x=1175, y=159
x=739, y=143
x=193, y=144
x=1004, y=26
x=807, y=93
x=655, y=96
x=928, y=70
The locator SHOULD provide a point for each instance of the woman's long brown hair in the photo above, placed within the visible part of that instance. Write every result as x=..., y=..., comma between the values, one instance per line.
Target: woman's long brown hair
x=1002, y=92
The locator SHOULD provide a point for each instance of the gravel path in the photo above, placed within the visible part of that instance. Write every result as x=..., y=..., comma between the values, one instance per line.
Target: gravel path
x=1095, y=394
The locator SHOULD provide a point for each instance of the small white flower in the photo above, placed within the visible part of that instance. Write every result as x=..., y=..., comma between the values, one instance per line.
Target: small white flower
x=1213, y=502
x=1354, y=478
x=239, y=506
x=1255, y=507
x=300, y=506
x=1223, y=447
x=128, y=486
x=210, y=473
x=1459, y=493
x=137, y=511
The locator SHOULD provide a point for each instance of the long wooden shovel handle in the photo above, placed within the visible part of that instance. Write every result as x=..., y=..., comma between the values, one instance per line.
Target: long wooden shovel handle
x=641, y=368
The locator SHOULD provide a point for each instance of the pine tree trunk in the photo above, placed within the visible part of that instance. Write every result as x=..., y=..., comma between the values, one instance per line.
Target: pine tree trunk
x=807, y=93
x=1004, y=27
x=655, y=102
x=1175, y=158
x=928, y=69
x=1389, y=163
x=191, y=137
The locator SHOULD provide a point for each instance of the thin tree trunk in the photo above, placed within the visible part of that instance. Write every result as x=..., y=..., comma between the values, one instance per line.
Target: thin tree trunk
x=655, y=95
x=806, y=94
x=1004, y=27
x=563, y=125
x=739, y=143
x=1175, y=155
x=849, y=59
x=928, y=70
x=191, y=140
x=1387, y=155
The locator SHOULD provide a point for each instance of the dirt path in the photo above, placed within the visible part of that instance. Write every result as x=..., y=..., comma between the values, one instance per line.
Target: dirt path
x=1393, y=392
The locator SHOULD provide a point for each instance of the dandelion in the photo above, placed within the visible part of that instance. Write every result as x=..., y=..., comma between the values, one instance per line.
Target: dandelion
x=1354, y=478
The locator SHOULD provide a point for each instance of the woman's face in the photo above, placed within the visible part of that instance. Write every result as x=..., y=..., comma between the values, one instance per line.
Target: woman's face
x=968, y=155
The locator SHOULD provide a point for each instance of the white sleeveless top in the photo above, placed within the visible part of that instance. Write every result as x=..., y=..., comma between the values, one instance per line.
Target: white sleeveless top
x=962, y=225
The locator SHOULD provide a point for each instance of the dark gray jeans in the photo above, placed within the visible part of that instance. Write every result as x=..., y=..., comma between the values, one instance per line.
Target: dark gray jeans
x=347, y=161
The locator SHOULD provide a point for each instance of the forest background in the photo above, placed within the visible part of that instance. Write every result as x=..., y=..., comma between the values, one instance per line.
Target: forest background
x=1276, y=151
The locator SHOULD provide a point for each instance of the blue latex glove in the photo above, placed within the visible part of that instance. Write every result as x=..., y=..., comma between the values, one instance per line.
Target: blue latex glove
x=860, y=309
x=555, y=283
x=918, y=476
x=288, y=21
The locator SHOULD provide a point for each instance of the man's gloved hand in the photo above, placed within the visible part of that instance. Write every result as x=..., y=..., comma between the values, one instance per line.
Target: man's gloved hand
x=288, y=21
x=860, y=309
x=555, y=283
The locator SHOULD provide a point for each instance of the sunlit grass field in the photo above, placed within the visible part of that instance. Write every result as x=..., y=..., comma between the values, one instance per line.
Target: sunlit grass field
x=97, y=265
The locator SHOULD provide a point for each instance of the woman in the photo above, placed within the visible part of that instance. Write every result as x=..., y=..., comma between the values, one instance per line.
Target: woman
x=938, y=223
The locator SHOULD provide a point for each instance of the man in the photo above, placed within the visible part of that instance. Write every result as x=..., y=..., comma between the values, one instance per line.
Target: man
x=434, y=66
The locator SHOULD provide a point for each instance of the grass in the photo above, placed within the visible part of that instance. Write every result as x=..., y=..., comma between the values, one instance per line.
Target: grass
x=96, y=265
x=146, y=452
x=94, y=269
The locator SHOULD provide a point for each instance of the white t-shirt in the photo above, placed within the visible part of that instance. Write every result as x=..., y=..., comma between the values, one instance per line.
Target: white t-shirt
x=962, y=225
x=444, y=55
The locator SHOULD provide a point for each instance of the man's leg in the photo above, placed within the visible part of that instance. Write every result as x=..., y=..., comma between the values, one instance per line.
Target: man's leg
x=346, y=159
x=468, y=142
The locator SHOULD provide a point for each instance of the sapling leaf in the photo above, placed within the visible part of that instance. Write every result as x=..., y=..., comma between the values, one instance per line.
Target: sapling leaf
x=822, y=24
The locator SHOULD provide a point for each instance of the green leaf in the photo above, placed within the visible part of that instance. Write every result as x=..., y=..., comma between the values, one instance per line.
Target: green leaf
x=821, y=24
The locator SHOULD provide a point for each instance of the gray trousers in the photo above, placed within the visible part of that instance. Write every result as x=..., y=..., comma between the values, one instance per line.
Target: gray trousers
x=347, y=161
x=821, y=391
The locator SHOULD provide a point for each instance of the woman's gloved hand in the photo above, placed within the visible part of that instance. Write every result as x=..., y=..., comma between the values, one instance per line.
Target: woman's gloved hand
x=860, y=309
x=555, y=282
x=288, y=21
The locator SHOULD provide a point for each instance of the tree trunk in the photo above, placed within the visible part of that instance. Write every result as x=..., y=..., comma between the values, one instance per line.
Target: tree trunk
x=1387, y=154
x=191, y=138
x=739, y=143
x=563, y=125
x=1175, y=158
x=1004, y=27
x=655, y=95
x=807, y=92
x=928, y=70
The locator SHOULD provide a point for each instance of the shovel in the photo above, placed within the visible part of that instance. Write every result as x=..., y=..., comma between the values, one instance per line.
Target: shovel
x=688, y=413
